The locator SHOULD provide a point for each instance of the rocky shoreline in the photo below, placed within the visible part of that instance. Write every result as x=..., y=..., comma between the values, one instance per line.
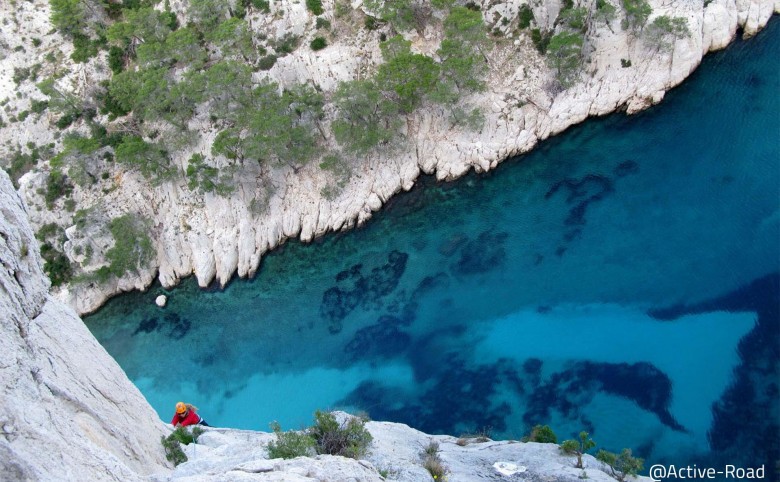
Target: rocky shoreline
x=215, y=237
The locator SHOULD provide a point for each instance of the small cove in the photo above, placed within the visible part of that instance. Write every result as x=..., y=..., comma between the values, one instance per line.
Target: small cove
x=622, y=279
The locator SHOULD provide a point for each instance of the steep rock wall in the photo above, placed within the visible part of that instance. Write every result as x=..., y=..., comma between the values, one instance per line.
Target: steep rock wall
x=68, y=410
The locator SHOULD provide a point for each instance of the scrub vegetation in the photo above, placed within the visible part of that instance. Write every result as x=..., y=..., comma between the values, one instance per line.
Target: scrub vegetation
x=173, y=442
x=327, y=436
x=174, y=76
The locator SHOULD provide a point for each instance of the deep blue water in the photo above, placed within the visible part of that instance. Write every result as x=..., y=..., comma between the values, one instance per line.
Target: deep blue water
x=623, y=279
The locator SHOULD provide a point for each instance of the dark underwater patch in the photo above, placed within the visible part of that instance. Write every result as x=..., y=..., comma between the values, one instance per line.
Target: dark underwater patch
x=177, y=326
x=580, y=193
x=483, y=254
x=147, y=325
x=381, y=340
x=570, y=390
x=451, y=245
x=460, y=399
x=359, y=289
x=626, y=168
x=746, y=419
x=172, y=325
x=430, y=283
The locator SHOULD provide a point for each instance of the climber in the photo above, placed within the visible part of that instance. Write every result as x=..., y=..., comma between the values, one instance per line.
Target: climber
x=186, y=415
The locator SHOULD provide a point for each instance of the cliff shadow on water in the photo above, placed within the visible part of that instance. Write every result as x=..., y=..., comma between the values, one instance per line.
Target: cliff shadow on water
x=621, y=279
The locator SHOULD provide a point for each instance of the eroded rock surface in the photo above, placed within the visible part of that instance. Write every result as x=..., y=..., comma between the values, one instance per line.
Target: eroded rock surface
x=69, y=412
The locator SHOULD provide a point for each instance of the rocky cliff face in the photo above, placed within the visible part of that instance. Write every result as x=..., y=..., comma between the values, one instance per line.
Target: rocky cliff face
x=68, y=410
x=214, y=237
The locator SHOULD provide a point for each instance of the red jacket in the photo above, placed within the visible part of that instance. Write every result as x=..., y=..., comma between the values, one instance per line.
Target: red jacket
x=187, y=418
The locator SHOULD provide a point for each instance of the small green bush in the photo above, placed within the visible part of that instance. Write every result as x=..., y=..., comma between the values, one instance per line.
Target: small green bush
x=372, y=23
x=262, y=5
x=83, y=48
x=288, y=44
x=315, y=6
x=323, y=23
x=20, y=74
x=38, y=106
x=318, y=43
x=56, y=265
x=47, y=231
x=132, y=248
x=350, y=439
x=173, y=442
x=67, y=119
x=432, y=461
x=541, y=40
x=265, y=63
x=20, y=164
x=57, y=185
x=526, y=16
x=541, y=434
x=291, y=444
x=578, y=447
x=116, y=59
x=623, y=465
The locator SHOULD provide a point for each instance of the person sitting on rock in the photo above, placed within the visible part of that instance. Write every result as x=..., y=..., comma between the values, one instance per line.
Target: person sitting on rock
x=186, y=414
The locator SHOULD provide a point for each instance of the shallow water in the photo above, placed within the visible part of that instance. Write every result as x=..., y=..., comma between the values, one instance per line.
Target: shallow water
x=622, y=279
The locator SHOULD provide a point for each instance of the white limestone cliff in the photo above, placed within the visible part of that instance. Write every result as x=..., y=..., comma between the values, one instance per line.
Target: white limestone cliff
x=68, y=410
x=216, y=237
x=395, y=453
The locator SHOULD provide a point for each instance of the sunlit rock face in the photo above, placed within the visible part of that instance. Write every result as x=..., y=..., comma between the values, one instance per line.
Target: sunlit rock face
x=68, y=410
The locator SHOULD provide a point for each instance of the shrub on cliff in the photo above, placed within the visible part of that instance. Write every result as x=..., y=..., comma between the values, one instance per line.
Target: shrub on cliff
x=578, y=447
x=664, y=30
x=318, y=43
x=564, y=54
x=432, y=461
x=173, y=442
x=57, y=186
x=541, y=434
x=623, y=465
x=637, y=13
x=326, y=436
x=315, y=6
x=291, y=444
x=348, y=439
x=68, y=16
x=132, y=248
x=56, y=265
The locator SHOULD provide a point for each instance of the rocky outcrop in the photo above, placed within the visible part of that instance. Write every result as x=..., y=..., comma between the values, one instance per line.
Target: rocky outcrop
x=215, y=237
x=69, y=412
x=395, y=453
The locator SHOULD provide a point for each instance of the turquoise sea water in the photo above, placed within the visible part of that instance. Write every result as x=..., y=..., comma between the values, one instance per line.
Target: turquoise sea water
x=624, y=279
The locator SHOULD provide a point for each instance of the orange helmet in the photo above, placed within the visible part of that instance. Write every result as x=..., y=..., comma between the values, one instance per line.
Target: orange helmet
x=181, y=407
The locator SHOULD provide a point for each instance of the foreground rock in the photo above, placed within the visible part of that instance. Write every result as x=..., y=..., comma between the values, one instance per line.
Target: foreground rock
x=237, y=455
x=68, y=410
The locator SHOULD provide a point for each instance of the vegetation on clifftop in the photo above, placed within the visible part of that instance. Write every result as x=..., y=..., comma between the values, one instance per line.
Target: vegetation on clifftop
x=187, y=97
